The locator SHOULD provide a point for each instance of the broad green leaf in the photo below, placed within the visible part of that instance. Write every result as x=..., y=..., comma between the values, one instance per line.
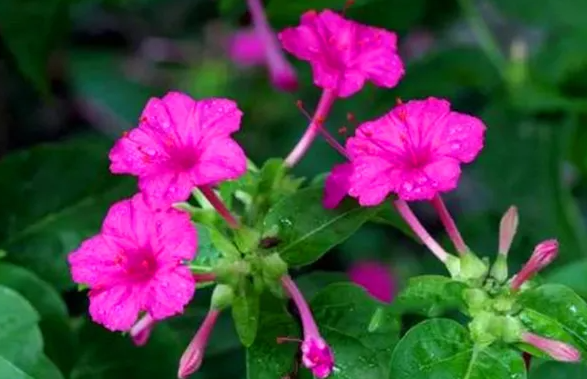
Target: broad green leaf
x=266, y=359
x=30, y=31
x=107, y=355
x=572, y=275
x=306, y=230
x=429, y=295
x=45, y=369
x=55, y=195
x=555, y=311
x=245, y=312
x=559, y=370
x=57, y=334
x=442, y=349
x=8, y=370
x=343, y=313
x=21, y=342
x=312, y=283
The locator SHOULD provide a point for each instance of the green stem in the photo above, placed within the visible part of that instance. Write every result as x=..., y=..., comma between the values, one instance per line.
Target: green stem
x=484, y=36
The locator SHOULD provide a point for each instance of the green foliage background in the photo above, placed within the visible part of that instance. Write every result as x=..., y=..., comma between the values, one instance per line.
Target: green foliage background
x=74, y=74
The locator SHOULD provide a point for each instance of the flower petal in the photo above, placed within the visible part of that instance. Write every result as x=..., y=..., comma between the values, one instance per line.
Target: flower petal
x=169, y=292
x=116, y=308
x=372, y=180
x=221, y=159
x=337, y=185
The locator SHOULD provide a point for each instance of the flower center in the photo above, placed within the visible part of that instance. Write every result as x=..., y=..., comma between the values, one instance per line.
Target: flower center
x=139, y=266
x=185, y=159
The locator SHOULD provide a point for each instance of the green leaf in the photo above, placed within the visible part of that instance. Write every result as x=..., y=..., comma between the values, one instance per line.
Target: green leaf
x=8, y=370
x=442, y=348
x=107, y=355
x=208, y=254
x=21, y=343
x=312, y=283
x=45, y=369
x=306, y=230
x=29, y=29
x=555, y=311
x=55, y=196
x=571, y=275
x=559, y=370
x=245, y=312
x=429, y=295
x=57, y=334
x=266, y=359
x=343, y=313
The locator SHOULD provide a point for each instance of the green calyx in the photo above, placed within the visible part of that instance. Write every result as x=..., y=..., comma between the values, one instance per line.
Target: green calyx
x=472, y=269
x=499, y=270
x=222, y=297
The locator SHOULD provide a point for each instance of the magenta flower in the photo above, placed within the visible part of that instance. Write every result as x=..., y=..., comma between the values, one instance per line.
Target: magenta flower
x=543, y=255
x=557, y=350
x=246, y=48
x=193, y=356
x=337, y=185
x=135, y=264
x=375, y=278
x=316, y=354
x=343, y=53
x=415, y=151
x=180, y=143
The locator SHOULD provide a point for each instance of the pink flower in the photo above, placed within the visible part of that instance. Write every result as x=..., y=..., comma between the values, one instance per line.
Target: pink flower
x=337, y=185
x=135, y=264
x=375, y=278
x=557, y=350
x=415, y=151
x=316, y=354
x=246, y=48
x=543, y=255
x=343, y=53
x=317, y=357
x=193, y=356
x=180, y=143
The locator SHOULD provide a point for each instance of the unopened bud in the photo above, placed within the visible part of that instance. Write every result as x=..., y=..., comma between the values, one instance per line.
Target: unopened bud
x=472, y=268
x=499, y=270
x=556, y=349
x=222, y=296
x=507, y=230
x=543, y=255
x=274, y=267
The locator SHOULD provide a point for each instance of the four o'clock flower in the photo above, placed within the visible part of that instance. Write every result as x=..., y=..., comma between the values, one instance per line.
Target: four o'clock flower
x=180, y=143
x=544, y=253
x=246, y=48
x=556, y=349
x=415, y=151
x=316, y=354
x=344, y=55
x=375, y=278
x=136, y=264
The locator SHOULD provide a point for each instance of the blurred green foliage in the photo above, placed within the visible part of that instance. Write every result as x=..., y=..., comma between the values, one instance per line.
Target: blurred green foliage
x=100, y=61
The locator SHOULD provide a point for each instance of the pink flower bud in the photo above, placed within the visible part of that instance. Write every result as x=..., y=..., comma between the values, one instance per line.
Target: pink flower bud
x=557, y=350
x=191, y=360
x=544, y=253
x=141, y=331
x=507, y=229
